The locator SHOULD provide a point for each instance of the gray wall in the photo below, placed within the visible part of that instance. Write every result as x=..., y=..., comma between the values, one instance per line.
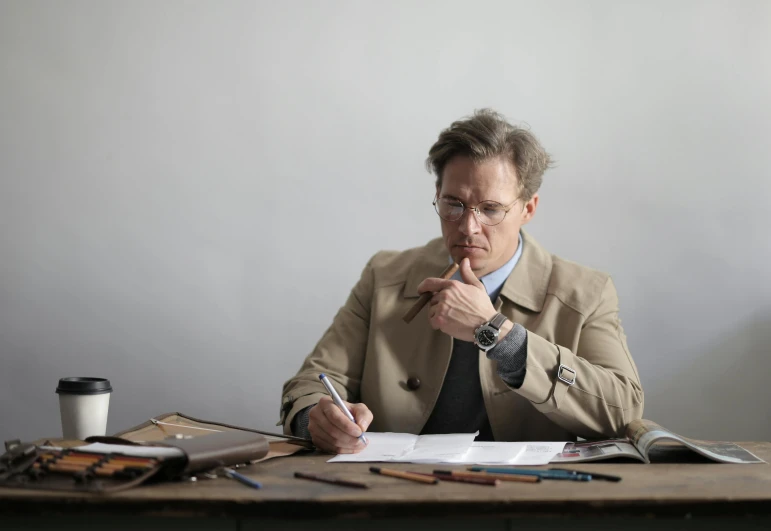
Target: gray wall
x=189, y=189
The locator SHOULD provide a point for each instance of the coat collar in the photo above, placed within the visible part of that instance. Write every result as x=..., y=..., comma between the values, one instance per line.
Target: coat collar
x=526, y=286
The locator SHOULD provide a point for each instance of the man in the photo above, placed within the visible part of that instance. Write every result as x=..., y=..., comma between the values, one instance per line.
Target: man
x=519, y=345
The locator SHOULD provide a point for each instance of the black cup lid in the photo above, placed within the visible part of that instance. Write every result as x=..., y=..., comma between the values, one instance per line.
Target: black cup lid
x=84, y=386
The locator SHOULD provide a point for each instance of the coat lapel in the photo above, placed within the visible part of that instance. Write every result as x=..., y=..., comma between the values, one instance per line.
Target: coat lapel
x=527, y=284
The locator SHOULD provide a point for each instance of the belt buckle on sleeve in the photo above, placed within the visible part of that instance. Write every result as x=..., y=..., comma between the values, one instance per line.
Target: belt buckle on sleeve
x=566, y=374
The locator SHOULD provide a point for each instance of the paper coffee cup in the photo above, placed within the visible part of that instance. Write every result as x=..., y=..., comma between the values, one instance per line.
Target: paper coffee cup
x=83, y=404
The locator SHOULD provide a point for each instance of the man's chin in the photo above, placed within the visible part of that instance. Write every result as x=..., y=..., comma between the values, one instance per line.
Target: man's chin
x=476, y=255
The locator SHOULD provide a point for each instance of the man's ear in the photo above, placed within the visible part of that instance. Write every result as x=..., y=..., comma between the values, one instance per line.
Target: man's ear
x=528, y=211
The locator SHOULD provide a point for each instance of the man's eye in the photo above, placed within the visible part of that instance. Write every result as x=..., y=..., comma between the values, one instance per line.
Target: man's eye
x=491, y=210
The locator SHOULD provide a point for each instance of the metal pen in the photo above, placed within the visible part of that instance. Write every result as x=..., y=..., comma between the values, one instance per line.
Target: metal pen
x=595, y=475
x=543, y=474
x=232, y=474
x=340, y=403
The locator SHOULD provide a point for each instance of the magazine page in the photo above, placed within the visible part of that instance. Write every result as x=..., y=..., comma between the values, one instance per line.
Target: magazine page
x=645, y=433
x=597, y=451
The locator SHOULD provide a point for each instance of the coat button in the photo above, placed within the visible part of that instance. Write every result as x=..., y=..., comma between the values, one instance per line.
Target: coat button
x=413, y=383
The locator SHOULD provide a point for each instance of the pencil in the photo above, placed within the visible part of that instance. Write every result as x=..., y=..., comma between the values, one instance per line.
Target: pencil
x=110, y=462
x=129, y=473
x=61, y=468
x=97, y=456
x=503, y=477
x=333, y=481
x=425, y=297
x=403, y=475
x=492, y=482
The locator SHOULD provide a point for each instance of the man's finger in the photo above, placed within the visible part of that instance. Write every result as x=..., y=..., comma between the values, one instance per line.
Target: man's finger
x=333, y=437
x=338, y=419
x=323, y=441
x=319, y=421
x=468, y=275
x=434, y=285
x=362, y=414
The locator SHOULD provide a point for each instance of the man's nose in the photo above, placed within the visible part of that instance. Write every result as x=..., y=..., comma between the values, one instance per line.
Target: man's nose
x=469, y=222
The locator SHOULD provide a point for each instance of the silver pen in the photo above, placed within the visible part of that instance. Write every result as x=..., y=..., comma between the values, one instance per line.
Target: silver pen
x=339, y=402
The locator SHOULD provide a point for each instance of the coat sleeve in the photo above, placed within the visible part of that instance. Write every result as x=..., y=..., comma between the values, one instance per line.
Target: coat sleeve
x=606, y=393
x=339, y=354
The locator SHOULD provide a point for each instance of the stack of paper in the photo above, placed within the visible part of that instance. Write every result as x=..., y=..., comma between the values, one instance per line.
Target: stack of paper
x=457, y=448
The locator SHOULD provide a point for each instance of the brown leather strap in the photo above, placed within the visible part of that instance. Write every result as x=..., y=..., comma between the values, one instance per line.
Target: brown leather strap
x=497, y=321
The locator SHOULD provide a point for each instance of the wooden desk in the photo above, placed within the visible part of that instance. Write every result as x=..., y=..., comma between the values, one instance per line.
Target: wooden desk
x=682, y=496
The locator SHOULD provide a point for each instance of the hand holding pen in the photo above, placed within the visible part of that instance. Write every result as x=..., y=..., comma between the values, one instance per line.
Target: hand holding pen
x=337, y=426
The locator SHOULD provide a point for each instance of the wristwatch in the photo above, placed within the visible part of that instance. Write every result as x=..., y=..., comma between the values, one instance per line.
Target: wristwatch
x=486, y=336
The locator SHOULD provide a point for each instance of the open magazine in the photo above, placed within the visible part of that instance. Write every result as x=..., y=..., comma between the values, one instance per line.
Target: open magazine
x=645, y=441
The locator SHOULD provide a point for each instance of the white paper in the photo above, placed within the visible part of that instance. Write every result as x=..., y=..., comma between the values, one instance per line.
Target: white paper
x=539, y=453
x=408, y=448
x=491, y=453
x=456, y=448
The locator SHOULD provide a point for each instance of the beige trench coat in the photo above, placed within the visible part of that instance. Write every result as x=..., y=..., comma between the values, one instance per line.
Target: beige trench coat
x=571, y=316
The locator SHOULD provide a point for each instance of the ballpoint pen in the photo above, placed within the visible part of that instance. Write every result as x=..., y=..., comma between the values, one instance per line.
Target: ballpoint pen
x=543, y=474
x=232, y=474
x=595, y=475
x=339, y=402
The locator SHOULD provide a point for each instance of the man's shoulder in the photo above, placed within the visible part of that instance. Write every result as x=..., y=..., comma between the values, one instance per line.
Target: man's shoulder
x=576, y=285
x=392, y=267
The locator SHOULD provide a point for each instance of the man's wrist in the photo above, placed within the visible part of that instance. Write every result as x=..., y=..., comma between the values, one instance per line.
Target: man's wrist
x=506, y=327
x=491, y=331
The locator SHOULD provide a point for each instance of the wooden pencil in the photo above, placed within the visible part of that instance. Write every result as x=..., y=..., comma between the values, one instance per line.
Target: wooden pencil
x=333, y=481
x=110, y=462
x=403, y=475
x=503, y=477
x=492, y=482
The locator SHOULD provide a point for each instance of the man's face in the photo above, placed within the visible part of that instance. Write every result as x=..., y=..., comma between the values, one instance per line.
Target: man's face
x=487, y=247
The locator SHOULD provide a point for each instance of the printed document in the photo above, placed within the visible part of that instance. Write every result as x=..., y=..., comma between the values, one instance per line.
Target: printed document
x=457, y=448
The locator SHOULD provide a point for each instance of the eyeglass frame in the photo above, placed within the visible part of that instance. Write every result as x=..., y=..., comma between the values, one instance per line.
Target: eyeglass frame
x=475, y=209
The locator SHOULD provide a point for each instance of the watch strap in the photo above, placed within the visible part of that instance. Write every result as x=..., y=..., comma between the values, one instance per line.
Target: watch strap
x=497, y=321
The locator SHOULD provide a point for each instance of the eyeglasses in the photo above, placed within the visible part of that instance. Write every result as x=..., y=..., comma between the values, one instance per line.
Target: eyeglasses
x=487, y=212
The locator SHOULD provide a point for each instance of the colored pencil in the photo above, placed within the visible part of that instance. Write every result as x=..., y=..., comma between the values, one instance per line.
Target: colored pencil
x=476, y=481
x=333, y=481
x=502, y=477
x=403, y=475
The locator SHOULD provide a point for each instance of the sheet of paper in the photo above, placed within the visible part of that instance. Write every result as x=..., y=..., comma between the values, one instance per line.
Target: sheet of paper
x=539, y=453
x=440, y=448
x=381, y=447
x=457, y=448
x=407, y=448
x=491, y=453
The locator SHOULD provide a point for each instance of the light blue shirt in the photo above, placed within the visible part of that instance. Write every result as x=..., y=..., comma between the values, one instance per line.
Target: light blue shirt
x=493, y=282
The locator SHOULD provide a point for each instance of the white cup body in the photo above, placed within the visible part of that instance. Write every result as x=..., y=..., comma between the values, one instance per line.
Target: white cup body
x=83, y=415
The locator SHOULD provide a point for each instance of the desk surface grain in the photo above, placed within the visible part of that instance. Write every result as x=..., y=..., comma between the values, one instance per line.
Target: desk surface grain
x=655, y=490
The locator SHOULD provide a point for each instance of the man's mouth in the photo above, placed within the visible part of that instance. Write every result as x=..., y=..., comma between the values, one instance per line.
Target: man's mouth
x=468, y=247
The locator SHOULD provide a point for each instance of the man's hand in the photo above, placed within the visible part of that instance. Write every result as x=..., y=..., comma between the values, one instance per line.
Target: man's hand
x=458, y=308
x=331, y=430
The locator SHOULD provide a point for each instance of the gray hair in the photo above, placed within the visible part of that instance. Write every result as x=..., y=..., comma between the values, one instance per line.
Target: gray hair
x=486, y=135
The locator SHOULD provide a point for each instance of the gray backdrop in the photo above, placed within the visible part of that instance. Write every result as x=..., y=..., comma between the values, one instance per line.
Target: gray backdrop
x=189, y=189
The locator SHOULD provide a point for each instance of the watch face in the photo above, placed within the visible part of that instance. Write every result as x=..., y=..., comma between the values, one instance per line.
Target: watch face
x=486, y=337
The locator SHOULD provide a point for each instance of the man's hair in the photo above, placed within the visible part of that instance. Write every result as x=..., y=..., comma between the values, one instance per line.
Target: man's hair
x=487, y=135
